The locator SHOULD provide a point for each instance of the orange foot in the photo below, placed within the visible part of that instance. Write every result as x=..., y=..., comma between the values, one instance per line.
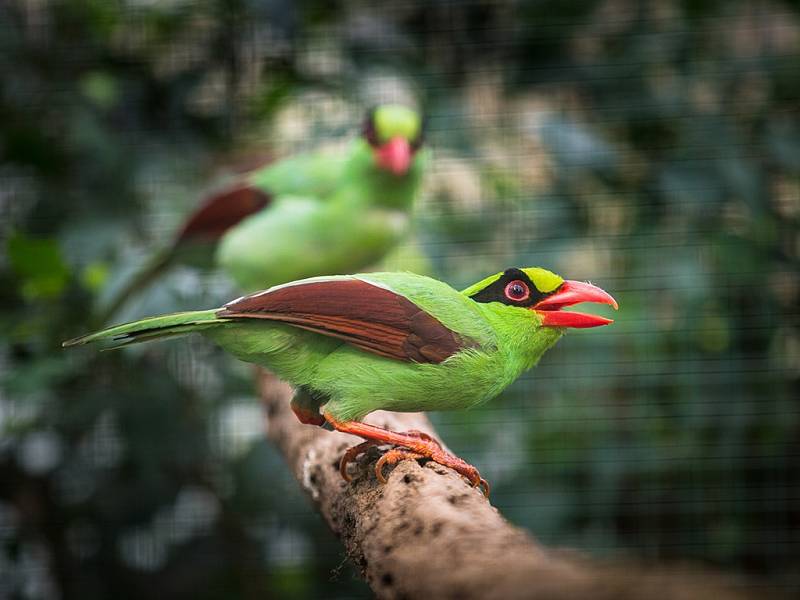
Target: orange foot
x=394, y=456
x=413, y=446
x=352, y=453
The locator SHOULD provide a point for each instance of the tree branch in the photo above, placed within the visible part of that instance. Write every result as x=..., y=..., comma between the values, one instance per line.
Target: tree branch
x=428, y=534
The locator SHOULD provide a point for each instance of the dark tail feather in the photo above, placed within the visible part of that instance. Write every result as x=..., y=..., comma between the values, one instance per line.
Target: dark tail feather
x=152, y=270
x=216, y=214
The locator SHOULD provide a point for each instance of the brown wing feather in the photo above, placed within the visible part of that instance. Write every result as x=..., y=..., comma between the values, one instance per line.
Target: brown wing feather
x=221, y=211
x=372, y=318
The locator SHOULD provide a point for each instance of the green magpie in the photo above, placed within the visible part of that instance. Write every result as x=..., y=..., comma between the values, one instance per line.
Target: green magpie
x=353, y=344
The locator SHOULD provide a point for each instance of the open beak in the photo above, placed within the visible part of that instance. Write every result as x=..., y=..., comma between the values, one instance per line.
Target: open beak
x=394, y=156
x=570, y=293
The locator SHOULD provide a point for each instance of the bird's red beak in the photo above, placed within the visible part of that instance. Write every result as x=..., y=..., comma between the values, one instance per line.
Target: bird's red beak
x=573, y=292
x=394, y=156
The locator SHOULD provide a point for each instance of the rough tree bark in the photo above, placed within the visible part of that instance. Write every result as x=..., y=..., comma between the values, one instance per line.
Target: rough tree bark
x=428, y=534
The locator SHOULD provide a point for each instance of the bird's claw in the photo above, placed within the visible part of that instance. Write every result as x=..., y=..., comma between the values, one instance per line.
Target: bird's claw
x=394, y=456
x=428, y=447
x=462, y=468
x=351, y=454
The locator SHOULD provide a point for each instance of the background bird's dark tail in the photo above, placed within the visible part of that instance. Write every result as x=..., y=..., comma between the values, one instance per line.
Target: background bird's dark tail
x=154, y=267
x=219, y=212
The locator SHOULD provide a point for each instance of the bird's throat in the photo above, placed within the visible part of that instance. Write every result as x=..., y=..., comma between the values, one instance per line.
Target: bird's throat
x=521, y=338
x=384, y=188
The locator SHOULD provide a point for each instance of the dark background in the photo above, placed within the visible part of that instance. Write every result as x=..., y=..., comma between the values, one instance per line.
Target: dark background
x=652, y=147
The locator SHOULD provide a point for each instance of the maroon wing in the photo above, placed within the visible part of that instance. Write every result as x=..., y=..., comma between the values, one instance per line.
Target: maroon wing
x=367, y=316
x=221, y=211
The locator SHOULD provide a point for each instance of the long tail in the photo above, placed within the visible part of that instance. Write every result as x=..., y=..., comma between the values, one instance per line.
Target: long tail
x=217, y=214
x=151, y=328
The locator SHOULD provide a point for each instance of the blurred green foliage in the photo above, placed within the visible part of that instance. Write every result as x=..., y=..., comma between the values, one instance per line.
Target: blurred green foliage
x=653, y=148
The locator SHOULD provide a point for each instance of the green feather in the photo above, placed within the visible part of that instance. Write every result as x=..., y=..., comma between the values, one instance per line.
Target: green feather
x=313, y=174
x=150, y=329
x=299, y=237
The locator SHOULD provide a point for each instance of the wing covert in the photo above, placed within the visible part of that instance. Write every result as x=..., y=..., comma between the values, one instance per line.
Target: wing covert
x=369, y=316
x=221, y=211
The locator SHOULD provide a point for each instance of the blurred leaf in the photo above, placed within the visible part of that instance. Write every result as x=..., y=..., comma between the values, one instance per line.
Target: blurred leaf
x=39, y=265
x=95, y=275
x=100, y=88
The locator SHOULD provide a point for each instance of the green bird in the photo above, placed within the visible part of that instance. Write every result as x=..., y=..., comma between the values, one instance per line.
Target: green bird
x=307, y=215
x=354, y=344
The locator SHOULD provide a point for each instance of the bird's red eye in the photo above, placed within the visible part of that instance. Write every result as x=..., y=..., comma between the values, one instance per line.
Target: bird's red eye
x=517, y=291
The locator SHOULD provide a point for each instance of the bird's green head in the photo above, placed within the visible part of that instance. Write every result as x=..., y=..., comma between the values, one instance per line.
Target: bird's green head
x=544, y=293
x=395, y=134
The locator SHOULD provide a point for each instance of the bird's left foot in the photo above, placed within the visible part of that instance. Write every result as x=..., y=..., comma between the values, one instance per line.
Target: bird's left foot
x=352, y=453
x=413, y=445
x=394, y=456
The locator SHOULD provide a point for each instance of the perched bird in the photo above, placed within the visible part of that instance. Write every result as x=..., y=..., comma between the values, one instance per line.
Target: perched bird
x=391, y=341
x=307, y=215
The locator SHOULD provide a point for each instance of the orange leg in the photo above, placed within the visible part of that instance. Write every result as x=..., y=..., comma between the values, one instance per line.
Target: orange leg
x=420, y=444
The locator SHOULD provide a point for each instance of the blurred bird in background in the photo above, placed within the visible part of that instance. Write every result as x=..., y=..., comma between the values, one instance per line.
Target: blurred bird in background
x=307, y=215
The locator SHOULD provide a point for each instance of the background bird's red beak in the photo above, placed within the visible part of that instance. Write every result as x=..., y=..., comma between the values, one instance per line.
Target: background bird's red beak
x=573, y=292
x=394, y=156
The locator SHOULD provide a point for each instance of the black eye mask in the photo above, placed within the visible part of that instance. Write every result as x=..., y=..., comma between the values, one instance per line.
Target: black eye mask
x=496, y=291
